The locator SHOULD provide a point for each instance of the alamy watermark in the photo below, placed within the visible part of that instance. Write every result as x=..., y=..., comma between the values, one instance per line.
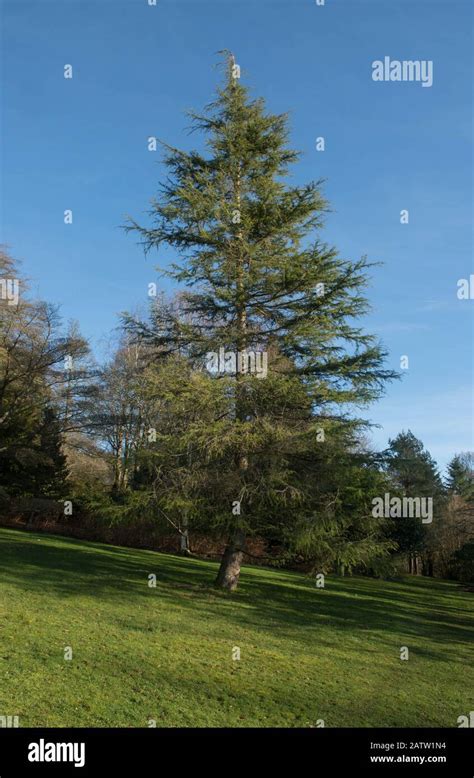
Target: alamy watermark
x=420, y=70
x=9, y=721
x=403, y=508
x=10, y=290
x=43, y=751
x=466, y=721
x=466, y=288
x=232, y=362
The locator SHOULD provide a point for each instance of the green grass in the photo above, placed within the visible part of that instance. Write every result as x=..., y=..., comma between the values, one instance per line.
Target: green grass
x=166, y=653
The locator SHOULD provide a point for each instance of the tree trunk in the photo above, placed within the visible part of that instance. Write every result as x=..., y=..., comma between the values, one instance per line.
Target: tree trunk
x=229, y=570
x=184, y=539
x=427, y=568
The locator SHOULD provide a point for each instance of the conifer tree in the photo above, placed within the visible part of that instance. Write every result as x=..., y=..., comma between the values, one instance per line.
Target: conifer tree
x=49, y=476
x=260, y=281
x=460, y=480
x=415, y=474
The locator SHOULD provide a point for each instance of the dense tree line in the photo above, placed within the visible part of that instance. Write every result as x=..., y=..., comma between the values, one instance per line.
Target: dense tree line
x=152, y=437
x=234, y=409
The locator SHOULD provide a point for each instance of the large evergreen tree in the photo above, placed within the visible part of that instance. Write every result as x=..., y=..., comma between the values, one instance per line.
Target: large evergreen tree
x=260, y=280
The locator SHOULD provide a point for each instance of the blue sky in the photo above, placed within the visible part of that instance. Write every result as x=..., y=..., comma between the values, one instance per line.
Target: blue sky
x=82, y=144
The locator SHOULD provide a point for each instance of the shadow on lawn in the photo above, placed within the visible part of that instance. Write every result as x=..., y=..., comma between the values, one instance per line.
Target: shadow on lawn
x=413, y=607
x=359, y=606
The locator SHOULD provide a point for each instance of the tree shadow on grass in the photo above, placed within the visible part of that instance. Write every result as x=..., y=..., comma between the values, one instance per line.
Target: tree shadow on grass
x=69, y=568
x=413, y=607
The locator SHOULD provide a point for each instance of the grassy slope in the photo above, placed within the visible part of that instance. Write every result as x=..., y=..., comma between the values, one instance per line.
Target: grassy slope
x=166, y=653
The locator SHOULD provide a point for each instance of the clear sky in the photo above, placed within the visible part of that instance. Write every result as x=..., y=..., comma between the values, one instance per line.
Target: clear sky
x=81, y=144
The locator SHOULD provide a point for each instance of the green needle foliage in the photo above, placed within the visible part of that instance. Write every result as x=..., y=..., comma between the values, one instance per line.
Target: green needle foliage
x=259, y=279
x=414, y=474
x=460, y=480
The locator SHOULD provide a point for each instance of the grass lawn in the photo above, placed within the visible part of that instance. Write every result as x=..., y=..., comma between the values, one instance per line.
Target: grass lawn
x=165, y=653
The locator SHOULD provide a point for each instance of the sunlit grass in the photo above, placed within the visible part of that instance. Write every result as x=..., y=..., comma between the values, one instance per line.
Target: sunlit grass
x=165, y=653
